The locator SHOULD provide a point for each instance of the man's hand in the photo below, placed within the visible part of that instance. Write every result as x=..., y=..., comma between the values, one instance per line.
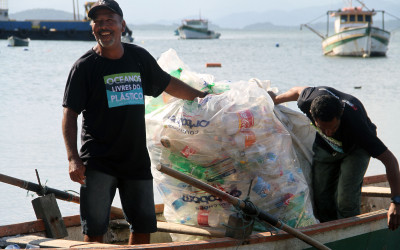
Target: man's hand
x=393, y=216
x=77, y=171
x=272, y=95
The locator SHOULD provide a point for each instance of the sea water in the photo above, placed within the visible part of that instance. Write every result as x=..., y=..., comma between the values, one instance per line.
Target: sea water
x=32, y=82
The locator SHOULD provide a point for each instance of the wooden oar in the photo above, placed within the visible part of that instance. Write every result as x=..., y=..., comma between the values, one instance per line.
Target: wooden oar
x=40, y=190
x=116, y=211
x=245, y=207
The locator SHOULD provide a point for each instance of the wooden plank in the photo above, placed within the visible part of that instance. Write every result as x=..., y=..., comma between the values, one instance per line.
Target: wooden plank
x=169, y=227
x=376, y=192
x=44, y=242
x=190, y=230
x=46, y=208
x=368, y=180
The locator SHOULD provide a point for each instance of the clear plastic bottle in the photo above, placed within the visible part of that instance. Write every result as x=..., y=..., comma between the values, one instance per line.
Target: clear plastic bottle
x=257, y=153
x=198, y=149
x=233, y=122
x=171, y=197
x=213, y=217
x=30, y=246
x=244, y=139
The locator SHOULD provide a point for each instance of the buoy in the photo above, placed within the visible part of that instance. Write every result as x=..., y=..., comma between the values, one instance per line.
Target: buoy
x=213, y=65
x=277, y=45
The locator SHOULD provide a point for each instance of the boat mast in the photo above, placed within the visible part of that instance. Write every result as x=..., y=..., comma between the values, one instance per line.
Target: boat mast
x=77, y=9
x=73, y=6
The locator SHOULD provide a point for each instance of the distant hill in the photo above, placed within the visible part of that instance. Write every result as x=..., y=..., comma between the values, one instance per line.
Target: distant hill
x=44, y=14
x=244, y=20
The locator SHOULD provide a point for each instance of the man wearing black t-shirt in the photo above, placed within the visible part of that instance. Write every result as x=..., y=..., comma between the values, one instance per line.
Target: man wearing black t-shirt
x=345, y=140
x=107, y=85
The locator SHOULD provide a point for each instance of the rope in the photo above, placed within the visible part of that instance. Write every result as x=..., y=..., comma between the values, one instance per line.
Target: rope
x=387, y=13
x=316, y=18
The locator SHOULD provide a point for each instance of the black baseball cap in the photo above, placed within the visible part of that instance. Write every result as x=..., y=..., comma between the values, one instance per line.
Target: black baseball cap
x=105, y=4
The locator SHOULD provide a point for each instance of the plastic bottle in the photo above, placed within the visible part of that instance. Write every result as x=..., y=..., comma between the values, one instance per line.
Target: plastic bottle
x=213, y=217
x=30, y=246
x=233, y=122
x=176, y=73
x=257, y=153
x=170, y=197
x=262, y=187
x=181, y=164
x=153, y=104
x=198, y=149
x=244, y=139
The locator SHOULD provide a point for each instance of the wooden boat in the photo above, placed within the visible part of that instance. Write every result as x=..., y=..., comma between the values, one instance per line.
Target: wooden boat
x=355, y=33
x=17, y=41
x=366, y=231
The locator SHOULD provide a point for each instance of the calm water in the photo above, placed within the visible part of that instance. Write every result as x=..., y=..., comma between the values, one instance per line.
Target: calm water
x=32, y=85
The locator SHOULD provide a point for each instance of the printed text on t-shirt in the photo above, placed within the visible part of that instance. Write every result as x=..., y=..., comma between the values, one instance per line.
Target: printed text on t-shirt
x=124, y=89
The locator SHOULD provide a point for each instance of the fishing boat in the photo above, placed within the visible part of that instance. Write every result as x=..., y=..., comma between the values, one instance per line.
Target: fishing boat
x=354, y=33
x=69, y=30
x=17, y=41
x=366, y=231
x=196, y=29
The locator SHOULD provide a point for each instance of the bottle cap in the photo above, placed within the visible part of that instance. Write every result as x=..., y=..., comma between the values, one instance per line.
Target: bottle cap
x=165, y=142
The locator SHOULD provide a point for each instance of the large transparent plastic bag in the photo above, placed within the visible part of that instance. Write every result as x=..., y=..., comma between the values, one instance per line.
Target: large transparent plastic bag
x=234, y=142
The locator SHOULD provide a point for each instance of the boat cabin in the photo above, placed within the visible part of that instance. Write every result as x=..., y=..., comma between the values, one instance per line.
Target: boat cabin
x=196, y=23
x=351, y=17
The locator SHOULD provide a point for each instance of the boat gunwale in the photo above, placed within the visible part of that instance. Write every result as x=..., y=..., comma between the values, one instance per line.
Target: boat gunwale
x=261, y=237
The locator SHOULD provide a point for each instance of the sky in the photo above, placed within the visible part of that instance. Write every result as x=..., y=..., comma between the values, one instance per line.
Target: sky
x=149, y=11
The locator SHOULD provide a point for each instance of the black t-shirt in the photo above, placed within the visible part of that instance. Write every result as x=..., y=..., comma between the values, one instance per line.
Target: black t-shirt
x=355, y=126
x=110, y=95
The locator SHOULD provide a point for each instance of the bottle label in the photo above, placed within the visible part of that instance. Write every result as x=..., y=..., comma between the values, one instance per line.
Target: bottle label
x=188, y=151
x=246, y=119
x=249, y=138
x=202, y=217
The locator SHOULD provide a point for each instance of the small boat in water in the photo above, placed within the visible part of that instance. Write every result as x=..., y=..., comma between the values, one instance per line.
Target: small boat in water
x=196, y=29
x=355, y=33
x=366, y=231
x=17, y=41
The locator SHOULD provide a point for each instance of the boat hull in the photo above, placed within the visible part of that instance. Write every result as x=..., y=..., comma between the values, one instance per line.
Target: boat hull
x=16, y=41
x=366, y=231
x=186, y=32
x=364, y=41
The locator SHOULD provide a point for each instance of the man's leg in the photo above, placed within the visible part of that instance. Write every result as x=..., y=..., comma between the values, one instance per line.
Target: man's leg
x=137, y=200
x=139, y=238
x=352, y=172
x=96, y=198
x=88, y=238
x=325, y=174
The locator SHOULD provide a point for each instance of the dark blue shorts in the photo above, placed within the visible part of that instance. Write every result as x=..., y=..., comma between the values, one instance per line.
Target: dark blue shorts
x=137, y=200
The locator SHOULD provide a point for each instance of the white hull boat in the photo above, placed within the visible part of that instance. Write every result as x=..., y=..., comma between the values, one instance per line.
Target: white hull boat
x=355, y=34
